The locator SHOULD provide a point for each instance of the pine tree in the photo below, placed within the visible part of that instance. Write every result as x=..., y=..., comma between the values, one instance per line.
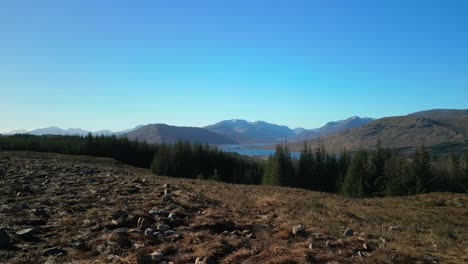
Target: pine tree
x=305, y=168
x=353, y=184
x=422, y=169
x=279, y=170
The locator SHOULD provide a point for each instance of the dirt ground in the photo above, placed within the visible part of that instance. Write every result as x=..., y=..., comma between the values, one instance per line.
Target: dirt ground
x=76, y=209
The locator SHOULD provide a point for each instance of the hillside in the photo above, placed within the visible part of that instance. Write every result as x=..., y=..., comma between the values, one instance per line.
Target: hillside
x=437, y=129
x=243, y=131
x=159, y=133
x=70, y=209
x=332, y=127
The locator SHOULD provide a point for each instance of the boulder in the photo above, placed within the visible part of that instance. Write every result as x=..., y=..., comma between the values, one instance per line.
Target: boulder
x=348, y=232
x=163, y=227
x=299, y=230
x=28, y=233
x=149, y=232
x=167, y=198
x=142, y=224
x=119, y=215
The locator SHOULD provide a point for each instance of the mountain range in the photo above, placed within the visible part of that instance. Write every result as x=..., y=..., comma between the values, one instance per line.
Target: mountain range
x=437, y=129
x=234, y=131
x=53, y=130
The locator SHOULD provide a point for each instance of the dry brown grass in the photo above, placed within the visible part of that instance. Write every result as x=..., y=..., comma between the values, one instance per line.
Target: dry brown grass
x=432, y=227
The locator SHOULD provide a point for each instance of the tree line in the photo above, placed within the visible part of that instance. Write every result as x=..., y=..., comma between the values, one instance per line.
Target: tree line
x=364, y=173
x=368, y=173
x=178, y=160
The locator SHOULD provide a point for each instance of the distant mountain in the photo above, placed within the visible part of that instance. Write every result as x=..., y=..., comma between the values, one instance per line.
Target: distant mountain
x=53, y=130
x=332, y=127
x=159, y=133
x=58, y=131
x=437, y=129
x=244, y=131
x=16, y=131
x=342, y=125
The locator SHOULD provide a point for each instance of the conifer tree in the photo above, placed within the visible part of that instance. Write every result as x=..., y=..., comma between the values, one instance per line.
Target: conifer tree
x=279, y=170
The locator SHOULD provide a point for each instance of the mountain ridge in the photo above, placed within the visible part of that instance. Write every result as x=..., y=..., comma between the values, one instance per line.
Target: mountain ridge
x=434, y=128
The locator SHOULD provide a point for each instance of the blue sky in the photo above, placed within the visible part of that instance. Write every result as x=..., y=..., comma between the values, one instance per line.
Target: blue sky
x=117, y=64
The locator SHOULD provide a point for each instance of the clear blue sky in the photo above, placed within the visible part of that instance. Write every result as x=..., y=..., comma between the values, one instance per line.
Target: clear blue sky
x=116, y=64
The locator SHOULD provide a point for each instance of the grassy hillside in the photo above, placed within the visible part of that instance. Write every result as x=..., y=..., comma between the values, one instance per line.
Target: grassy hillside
x=73, y=204
x=437, y=129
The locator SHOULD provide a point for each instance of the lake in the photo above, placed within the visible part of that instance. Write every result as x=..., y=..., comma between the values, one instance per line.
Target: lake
x=251, y=150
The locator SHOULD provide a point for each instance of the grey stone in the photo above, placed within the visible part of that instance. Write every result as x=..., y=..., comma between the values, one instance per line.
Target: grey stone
x=169, y=232
x=167, y=198
x=54, y=251
x=149, y=232
x=119, y=214
x=121, y=231
x=299, y=230
x=394, y=228
x=28, y=233
x=163, y=227
x=348, y=232
x=5, y=240
x=157, y=256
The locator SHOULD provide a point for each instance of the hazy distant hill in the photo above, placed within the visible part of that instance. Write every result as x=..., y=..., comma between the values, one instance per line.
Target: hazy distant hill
x=437, y=129
x=332, y=127
x=70, y=131
x=243, y=131
x=58, y=131
x=158, y=133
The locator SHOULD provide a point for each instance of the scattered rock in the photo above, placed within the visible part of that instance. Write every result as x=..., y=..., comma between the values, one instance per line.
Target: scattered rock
x=24, y=206
x=299, y=230
x=142, y=224
x=28, y=233
x=169, y=232
x=121, y=231
x=369, y=246
x=163, y=227
x=167, y=198
x=78, y=245
x=251, y=235
x=54, y=251
x=157, y=256
x=40, y=212
x=204, y=260
x=149, y=231
x=394, y=228
x=5, y=240
x=311, y=246
x=119, y=215
x=348, y=232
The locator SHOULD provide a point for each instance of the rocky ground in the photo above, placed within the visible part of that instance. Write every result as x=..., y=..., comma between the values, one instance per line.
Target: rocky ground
x=74, y=209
